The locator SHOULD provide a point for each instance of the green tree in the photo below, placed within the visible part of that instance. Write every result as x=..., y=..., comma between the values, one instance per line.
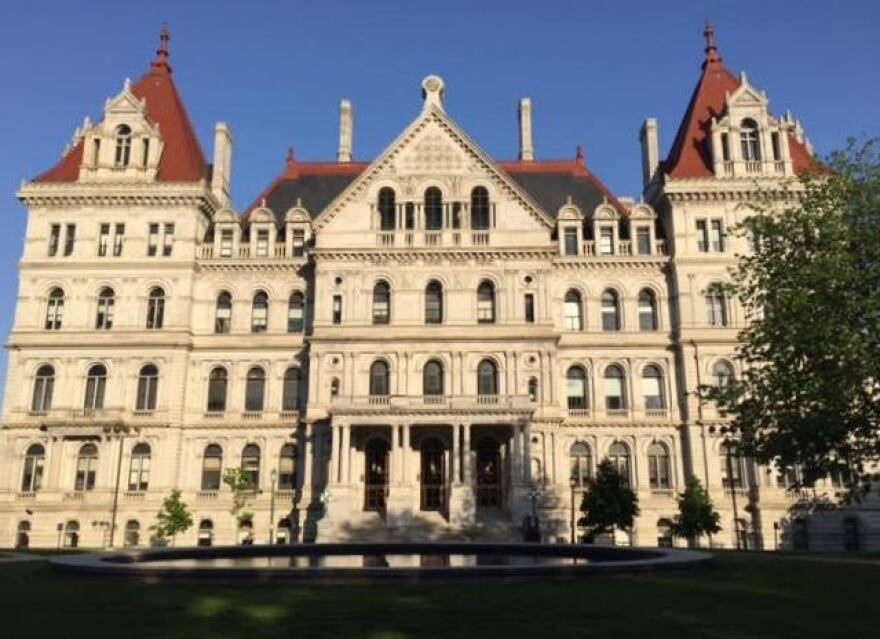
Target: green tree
x=173, y=519
x=696, y=514
x=609, y=502
x=809, y=395
x=243, y=490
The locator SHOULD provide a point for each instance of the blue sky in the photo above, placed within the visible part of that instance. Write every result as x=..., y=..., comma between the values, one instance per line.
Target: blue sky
x=275, y=71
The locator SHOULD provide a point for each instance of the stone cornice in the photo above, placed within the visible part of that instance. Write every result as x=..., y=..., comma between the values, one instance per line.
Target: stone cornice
x=101, y=194
x=725, y=190
x=433, y=254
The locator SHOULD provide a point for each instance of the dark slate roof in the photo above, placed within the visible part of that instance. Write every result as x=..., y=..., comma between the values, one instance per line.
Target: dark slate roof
x=314, y=192
x=551, y=191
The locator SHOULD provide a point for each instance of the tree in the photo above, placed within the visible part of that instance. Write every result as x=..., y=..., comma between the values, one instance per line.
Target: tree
x=173, y=519
x=242, y=491
x=696, y=514
x=808, y=395
x=608, y=503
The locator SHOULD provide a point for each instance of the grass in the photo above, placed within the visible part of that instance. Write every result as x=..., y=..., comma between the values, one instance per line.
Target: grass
x=738, y=595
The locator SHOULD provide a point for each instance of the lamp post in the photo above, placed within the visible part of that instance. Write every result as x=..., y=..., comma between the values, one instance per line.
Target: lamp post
x=729, y=461
x=572, y=482
x=60, y=528
x=273, y=476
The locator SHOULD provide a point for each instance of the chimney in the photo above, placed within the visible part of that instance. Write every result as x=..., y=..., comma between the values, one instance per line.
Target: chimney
x=222, y=163
x=650, y=150
x=526, y=150
x=346, y=125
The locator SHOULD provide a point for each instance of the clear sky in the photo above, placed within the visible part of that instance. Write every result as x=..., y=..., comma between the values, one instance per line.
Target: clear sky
x=275, y=71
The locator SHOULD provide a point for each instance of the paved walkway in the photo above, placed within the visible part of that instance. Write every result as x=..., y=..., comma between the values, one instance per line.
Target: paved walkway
x=9, y=557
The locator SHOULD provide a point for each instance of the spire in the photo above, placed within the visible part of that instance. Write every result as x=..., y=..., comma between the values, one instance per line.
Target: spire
x=711, y=48
x=162, y=53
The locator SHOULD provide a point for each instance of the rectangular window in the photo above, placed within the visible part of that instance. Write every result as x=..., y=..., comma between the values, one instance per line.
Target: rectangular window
x=725, y=147
x=643, y=240
x=702, y=236
x=263, y=243
x=69, y=239
x=299, y=242
x=168, y=240
x=774, y=141
x=226, y=243
x=118, y=239
x=103, y=239
x=606, y=241
x=337, y=309
x=153, y=242
x=54, y=239
x=530, y=308
x=571, y=241
x=716, y=236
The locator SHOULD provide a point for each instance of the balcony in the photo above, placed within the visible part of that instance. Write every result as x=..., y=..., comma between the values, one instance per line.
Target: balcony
x=431, y=238
x=245, y=252
x=431, y=403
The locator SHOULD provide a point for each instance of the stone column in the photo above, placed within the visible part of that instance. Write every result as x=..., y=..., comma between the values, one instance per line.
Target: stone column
x=405, y=452
x=455, y=458
x=527, y=453
x=335, y=463
x=346, y=454
x=306, y=463
x=516, y=455
x=466, y=464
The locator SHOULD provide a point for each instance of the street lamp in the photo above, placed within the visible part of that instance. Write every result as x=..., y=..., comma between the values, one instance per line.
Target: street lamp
x=60, y=528
x=572, y=482
x=273, y=476
x=729, y=461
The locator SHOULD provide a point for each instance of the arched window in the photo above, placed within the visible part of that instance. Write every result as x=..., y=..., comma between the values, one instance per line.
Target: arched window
x=664, y=533
x=55, y=309
x=282, y=534
x=156, y=308
x=96, y=384
x=433, y=209
x=647, y=310
x=139, y=471
x=132, y=533
x=652, y=388
x=748, y=136
x=580, y=464
x=23, y=536
x=387, y=209
x=716, y=306
x=223, y=313
x=295, y=312
x=658, y=467
x=86, y=465
x=434, y=303
x=576, y=388
x=381, y=302
x=574, y=312
x=722, y=373
x=206, y=533
x=32, y=473
x=479, y=209
x=486, y=302
x=533, y=389
x=379, y=378
x=148, y=386
x=217, y=383
x=334, y=387
x=104, y=316
x=487, y=378
x=287, y=468
x=71, y=534
x=615, y=392
x=260, y=312
x=254, y=389
x=123, y=146
x=610, y=311
x=44, y=385
x=212, y=467
x=618, y=455
x=432, y=378
x=731, y=466
x=250, y=465
x=290, y=390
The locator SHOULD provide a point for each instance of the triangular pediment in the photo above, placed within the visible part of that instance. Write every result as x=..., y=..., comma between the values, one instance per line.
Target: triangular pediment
x=433, y=147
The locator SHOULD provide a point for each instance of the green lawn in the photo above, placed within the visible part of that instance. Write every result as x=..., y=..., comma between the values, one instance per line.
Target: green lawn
x=745, y=595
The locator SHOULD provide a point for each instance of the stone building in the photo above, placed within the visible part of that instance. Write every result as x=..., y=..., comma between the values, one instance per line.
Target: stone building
x=431, y=344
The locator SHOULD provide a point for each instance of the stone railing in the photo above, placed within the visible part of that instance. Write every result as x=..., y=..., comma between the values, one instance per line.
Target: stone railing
x=433, y=402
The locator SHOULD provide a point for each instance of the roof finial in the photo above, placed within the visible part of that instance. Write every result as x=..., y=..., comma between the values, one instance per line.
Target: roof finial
x=711, y=47
x=162, y=52
x=291, y=160
x=579, y=154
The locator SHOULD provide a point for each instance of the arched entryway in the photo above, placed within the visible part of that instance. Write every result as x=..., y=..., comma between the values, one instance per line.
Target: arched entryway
x=433, y=475
x=376, y=474
x=489, y=475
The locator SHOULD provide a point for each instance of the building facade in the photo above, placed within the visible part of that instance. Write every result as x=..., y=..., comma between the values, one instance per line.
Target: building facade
x=430, y=345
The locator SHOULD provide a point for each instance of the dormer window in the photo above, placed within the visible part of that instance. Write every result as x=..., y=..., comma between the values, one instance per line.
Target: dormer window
x=123, y=146
x=751, y=148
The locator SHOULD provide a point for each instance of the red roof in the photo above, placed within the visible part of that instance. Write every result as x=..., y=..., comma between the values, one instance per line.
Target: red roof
x=182, y=158
x=690, y=156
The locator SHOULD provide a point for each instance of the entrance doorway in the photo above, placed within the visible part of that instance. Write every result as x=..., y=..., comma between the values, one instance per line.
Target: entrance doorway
x=376, y=475
x=433, y=475
x=489, y=478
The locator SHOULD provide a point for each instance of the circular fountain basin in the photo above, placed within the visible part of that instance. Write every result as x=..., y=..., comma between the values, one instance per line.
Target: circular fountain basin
x=359, y=562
